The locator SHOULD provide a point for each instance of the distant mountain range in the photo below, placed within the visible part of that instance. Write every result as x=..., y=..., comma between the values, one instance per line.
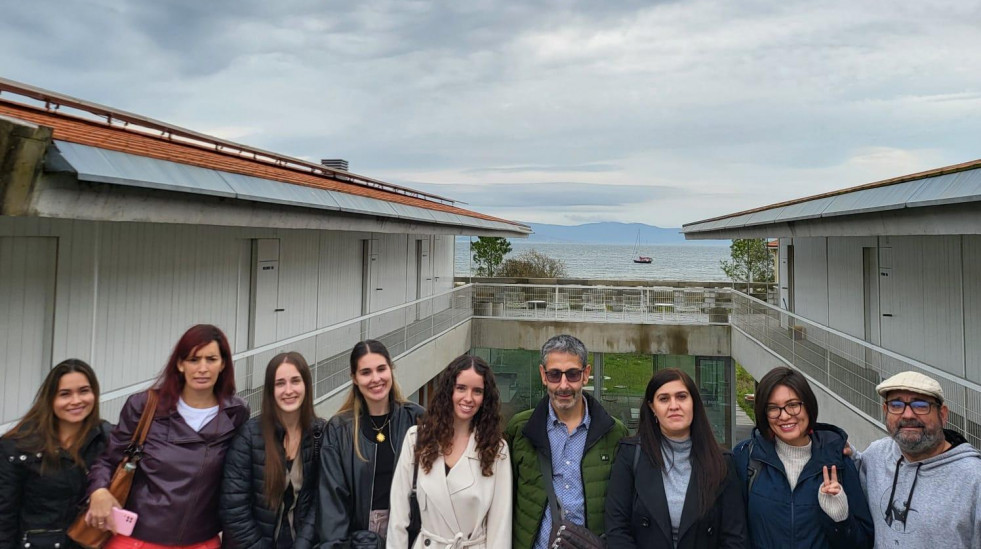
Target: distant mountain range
x=611, y=233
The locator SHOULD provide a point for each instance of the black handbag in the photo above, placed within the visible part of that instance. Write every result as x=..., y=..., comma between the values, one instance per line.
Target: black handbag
x=366, y=539
x=415, y=515
x=565, y=533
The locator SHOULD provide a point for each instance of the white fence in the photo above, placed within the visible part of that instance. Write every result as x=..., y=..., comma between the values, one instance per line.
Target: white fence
x=327, y=350
x=636, y=305
x=848, y=366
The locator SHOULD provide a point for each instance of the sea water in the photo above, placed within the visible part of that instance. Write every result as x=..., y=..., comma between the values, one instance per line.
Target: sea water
x=615, y=262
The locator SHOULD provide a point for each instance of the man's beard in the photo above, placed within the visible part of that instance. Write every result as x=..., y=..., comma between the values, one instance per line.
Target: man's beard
x=576, y=397
x=917, y=443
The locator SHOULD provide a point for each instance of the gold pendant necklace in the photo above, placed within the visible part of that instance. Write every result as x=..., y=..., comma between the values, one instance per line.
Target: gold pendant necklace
x=379, y=435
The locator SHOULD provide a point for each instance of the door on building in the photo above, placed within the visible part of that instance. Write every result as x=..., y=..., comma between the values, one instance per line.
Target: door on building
x=27, y=296
x=264, y=309
x=714, y=380
x=369, y=283
x=424, y=277
x=790, y=278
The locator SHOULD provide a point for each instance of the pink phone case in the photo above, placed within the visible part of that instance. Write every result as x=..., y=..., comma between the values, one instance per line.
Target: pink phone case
x=124, y=521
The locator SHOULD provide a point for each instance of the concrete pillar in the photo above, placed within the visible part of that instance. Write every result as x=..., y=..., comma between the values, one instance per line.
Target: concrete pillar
x=22, y=148
x=597, y=373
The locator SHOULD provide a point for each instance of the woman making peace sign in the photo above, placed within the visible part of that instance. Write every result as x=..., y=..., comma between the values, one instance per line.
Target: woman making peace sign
x=794, y=499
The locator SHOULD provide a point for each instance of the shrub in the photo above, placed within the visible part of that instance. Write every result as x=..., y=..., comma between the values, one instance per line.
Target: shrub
x=532, y=264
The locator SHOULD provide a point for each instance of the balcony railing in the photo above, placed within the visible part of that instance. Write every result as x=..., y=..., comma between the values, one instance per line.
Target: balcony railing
x=847, y=366
x=637, y=305
x=327, y=350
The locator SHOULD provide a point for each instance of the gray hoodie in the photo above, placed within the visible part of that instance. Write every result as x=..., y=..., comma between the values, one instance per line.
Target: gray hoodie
x=945, y=508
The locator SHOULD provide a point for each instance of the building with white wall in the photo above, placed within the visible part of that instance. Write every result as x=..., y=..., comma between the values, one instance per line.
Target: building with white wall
x=118, y=232
x=893, y=267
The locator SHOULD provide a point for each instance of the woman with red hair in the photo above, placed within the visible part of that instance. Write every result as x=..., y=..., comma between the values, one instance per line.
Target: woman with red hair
x=175, y=490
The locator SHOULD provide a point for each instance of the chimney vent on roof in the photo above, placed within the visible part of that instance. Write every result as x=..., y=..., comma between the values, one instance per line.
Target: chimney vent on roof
x=335, y=163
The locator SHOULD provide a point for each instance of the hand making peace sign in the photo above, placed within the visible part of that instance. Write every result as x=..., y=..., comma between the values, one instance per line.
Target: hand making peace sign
x=831, y=485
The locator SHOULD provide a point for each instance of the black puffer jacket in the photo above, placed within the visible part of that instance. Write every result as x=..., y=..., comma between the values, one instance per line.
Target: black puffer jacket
x=32, y=501
x=346, y=483
x=247, y=522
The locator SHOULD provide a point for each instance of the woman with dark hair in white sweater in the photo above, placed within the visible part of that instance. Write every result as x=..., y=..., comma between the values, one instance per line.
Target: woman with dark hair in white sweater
x=800, y=490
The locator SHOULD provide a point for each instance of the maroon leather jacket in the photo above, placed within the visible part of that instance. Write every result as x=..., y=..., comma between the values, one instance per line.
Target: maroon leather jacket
x=175, y=490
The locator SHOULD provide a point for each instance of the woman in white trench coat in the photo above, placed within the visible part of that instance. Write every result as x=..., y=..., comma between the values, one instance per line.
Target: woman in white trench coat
x=464, y=479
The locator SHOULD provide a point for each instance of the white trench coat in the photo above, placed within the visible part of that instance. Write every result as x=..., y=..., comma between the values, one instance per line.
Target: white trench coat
x=459, y=509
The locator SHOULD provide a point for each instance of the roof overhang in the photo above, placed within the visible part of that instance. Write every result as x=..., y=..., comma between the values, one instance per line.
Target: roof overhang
x=97, y=165
x=931, y=203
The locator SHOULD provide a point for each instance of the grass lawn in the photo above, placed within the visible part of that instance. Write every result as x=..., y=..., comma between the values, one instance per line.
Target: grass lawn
x=744, y=385
x=628, y=373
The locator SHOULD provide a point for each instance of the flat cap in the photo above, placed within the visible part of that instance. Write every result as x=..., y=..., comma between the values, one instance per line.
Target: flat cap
x=911, y=381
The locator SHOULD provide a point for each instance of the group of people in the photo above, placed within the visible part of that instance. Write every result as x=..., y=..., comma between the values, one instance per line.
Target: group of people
x=384, y=472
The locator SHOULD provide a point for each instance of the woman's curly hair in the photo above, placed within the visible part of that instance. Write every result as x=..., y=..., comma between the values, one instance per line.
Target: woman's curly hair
x=436, y=428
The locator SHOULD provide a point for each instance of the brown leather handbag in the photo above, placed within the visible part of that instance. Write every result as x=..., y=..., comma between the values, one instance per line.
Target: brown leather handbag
x=91, y=537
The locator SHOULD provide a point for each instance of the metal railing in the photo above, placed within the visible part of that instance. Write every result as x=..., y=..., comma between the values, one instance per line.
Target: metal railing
x=847, y=366
x=327, y=350
x=637, y=305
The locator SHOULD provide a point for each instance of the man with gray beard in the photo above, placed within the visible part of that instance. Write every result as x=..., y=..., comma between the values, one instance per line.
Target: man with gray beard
x=923, y=483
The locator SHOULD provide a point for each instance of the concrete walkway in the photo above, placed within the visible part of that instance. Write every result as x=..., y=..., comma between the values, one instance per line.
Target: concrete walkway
x=744, y=426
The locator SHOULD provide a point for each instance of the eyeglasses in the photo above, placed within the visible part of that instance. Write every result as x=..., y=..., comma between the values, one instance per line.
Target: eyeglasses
x=792, y=408
x=555, y=376
x=919, y=407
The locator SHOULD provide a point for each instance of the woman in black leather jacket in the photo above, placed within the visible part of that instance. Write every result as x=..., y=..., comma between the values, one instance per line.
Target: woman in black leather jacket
x=271, y=468
x=44, y=459
x=361, y=448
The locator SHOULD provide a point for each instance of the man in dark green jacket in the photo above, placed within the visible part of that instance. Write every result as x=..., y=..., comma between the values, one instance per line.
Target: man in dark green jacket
x=571, y=430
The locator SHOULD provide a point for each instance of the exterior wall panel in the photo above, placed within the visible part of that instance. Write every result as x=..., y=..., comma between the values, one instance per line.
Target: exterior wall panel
x=928, y=304
x=846, y=291
x=27, y=282
x=972, y=305
x=811, y=278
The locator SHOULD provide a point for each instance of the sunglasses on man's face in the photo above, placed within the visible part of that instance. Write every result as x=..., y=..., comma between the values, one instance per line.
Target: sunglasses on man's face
x=555, y=376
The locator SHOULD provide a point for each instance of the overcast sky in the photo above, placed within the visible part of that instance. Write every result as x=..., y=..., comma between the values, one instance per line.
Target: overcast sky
x=555, y=111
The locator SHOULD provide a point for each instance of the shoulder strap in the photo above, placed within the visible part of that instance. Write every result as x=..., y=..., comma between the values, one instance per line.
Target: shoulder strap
x=546, y=466
x=143, y=427
x=753, y=467
x=637, y=459
x=318, y=437
x=415, y=476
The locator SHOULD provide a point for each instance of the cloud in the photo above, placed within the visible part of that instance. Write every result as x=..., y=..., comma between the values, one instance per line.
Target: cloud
x=550, y=194
x=545, y=169
x=699, y=107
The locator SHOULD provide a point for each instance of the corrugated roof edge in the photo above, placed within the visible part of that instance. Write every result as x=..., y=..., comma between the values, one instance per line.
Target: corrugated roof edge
x=965, y=166
x=437, y=206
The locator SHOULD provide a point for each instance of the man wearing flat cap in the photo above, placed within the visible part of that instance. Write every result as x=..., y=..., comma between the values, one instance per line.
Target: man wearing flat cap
x=923, y=482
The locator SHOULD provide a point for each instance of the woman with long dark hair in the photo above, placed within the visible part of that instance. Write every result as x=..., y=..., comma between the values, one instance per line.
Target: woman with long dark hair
x=802, y=492
x=460, y=463
x=271, y=469
x=361, y=446
x=672, y=485
x=45, y=457
x=175, y=488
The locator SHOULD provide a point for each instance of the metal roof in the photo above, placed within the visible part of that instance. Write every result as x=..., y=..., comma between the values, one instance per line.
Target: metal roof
x=932, y=189
x=119, y=168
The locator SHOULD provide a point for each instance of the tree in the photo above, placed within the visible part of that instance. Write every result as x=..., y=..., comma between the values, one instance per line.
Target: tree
x=488, y=253
x=751, y=261
x=532, y=264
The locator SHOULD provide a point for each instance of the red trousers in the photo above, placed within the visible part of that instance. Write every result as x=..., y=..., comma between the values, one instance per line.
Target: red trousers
x=126, y=542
